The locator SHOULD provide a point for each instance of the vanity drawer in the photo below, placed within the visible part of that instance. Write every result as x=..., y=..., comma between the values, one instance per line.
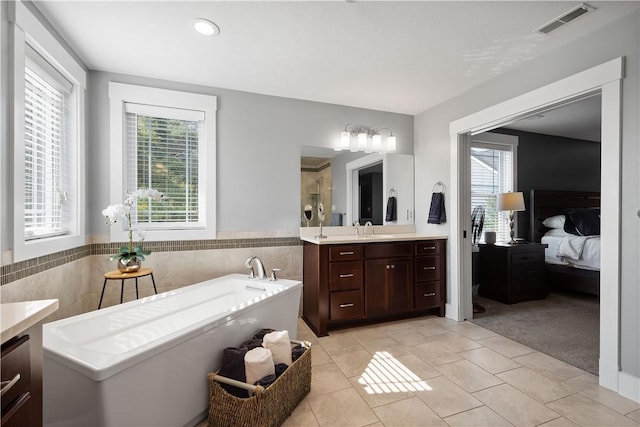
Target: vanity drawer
x=345, y=252
x=388, y=250
x=429, y=247
x=345, y=305
x=15, y=365
x=345, y=275
x=427, y=268
x=428, y=295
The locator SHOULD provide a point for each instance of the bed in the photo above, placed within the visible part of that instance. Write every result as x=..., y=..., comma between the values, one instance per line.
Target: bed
x=579, y=274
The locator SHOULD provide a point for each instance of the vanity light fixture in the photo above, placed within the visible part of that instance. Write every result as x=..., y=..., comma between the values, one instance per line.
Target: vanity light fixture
x=205, y=27
x=362, y=138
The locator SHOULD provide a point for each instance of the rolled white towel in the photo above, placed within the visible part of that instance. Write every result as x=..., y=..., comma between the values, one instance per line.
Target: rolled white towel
x=280, y=346
x=258, y=363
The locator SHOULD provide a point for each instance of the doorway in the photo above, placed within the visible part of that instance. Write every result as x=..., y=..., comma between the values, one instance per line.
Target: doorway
x=606, y=79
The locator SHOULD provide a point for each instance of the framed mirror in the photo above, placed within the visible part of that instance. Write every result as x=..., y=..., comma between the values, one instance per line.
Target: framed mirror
x=355, y=186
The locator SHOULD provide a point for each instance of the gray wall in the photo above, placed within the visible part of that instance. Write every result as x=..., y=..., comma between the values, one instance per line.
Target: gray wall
x=433, y=150
x=547, y=162
x=258, y=148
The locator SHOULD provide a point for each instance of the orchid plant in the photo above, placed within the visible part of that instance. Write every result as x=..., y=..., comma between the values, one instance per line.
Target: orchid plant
x=122, y=212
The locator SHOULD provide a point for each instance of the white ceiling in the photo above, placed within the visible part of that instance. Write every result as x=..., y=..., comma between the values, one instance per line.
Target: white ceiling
x=579, y=120
x=393, y=56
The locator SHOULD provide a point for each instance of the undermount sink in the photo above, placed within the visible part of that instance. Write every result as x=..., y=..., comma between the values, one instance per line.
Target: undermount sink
x=377, y=236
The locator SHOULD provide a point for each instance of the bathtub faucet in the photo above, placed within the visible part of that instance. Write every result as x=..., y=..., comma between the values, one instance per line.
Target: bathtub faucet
x=262, y=274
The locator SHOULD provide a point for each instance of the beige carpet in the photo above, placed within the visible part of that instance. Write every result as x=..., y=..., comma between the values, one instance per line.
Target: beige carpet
x=565, y=325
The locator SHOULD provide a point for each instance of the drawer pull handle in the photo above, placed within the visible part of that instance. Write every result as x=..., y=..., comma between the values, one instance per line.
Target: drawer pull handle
x=6, y=385
x=391, y=266
x=346, y=253
x=430, y=294
x=344, y=276
x=429, y=268
x=346, y=305
x=429, y=248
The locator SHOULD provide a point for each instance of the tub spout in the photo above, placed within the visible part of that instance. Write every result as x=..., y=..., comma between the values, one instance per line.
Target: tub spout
x=262, y=274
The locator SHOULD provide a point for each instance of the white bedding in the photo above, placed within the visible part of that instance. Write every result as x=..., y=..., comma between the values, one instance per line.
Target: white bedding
x=567, y=249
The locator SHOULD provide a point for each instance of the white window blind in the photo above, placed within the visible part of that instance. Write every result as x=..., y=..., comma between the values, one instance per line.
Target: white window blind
x=492, y=168
x=162, y=153
x=47, y=185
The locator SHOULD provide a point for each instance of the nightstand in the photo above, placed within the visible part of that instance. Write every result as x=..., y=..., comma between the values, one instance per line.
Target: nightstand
x=512, y=273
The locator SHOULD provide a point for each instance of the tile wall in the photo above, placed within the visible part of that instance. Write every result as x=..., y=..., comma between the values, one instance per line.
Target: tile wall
x=76, y=277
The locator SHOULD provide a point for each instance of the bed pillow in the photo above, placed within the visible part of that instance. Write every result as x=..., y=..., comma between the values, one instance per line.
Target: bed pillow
x=583, y=222
x=556, y=221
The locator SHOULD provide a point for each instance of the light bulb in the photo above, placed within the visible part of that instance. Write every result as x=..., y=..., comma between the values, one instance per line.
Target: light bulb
x=391, y=143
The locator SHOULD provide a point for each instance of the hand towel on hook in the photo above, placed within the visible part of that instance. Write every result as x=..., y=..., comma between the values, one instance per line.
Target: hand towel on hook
x=437, y=213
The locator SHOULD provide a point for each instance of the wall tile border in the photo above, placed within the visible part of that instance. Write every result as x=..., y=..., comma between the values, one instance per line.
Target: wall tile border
x=19, y=270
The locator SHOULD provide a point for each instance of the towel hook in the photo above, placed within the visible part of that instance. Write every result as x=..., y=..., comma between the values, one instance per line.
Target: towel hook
x=438, y=184
x=392, y=192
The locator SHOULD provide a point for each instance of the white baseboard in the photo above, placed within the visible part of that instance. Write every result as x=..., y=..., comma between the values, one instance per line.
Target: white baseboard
x=608, y=374
x=629, y=386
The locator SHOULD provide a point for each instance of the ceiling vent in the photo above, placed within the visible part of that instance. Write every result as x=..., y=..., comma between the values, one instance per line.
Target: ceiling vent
x=564, y=19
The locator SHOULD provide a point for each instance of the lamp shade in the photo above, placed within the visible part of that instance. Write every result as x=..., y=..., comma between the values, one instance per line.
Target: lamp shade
x=510, y=201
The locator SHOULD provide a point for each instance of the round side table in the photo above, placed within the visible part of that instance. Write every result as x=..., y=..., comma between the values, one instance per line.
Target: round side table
x=118, y=275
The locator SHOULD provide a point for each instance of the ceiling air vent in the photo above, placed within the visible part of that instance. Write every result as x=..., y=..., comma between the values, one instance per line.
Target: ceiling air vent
x=564, y=19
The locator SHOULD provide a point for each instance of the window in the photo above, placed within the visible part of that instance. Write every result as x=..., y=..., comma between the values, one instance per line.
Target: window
x=492, y=172
x=48, y=127
x=167, y=142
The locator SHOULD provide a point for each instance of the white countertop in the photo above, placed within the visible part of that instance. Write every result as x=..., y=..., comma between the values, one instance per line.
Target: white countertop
x=16, y=317
x=352, y=238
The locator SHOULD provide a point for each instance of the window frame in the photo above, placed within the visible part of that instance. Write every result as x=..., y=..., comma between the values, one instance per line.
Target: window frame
x=25, y=28
x=122, y=93
x=502, y=142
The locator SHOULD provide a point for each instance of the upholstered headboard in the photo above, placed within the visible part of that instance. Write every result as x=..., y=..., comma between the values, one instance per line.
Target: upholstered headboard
x=546, y=203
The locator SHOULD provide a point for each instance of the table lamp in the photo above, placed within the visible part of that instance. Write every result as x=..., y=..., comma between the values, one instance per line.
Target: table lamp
x=511, y=202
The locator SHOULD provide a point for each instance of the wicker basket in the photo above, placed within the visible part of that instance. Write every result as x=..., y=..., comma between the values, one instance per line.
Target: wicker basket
x=267, y=407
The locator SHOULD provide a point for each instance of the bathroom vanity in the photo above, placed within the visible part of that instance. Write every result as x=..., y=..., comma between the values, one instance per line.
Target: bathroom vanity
x=363, y=279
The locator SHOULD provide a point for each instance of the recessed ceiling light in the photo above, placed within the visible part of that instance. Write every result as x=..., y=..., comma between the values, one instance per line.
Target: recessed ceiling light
x=205, y=27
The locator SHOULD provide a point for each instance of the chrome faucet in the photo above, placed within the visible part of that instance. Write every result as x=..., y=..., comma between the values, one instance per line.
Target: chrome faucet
x=367, y=224
x=356, y=224
x=259, y=265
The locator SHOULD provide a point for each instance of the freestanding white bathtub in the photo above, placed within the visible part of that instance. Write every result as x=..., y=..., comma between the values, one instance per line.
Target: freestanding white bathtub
x=145, y=362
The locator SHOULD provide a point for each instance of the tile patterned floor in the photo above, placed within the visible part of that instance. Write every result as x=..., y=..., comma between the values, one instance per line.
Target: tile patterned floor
x=432, y=371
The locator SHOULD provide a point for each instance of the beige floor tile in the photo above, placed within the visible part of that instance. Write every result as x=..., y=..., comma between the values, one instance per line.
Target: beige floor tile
x=446, y=398
x=418, y=366
x=455, y=342
x=505, y=346
x=326, y=379
x=477, y=417
x=341, y=408
x=409, y=412
x=319, y=356
x=302, y=416
x=352, y=363
x=549, y=366
x=587, y=412
x=635, y=415
x=431, y=326
x=581, y=382
x=515, y=406
x=378, y=424
x=373, y=398
x=339, y=342
x=536, y=385
x=559, y=422
x=409, y=337
x=387, y=345
x=434, y=353
x=468, y=376
x=489, y=360
x=367, y=333
x=305, y=334
x=588, y=386
x=473, y=331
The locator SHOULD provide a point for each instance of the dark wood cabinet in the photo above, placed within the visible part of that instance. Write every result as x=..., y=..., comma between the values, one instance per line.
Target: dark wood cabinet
x=430, y=276
x=353, y=283
x=512, y=273
x=15, y=368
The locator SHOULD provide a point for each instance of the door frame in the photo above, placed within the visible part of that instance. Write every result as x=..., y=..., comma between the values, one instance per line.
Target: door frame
x=605, y=78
